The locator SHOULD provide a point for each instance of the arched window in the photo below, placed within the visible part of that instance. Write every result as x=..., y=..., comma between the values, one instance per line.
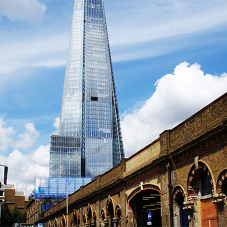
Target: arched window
x=180, y=214
x=200, y=182
x=222, y=182
x=118, y=212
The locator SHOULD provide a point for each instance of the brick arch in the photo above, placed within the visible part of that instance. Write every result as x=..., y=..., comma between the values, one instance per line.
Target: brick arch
x=192, y=173
x=94, y=216
x=110, y=206
x=63, y=221
x=176, y=191
x=102, y=214
x=144, y=187
x=89, y=213
x=118, y=211
x=84, y=219
x=75, y=220
x=221, y=178
x=55, y=222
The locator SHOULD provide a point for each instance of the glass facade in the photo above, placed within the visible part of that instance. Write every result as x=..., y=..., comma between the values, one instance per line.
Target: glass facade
x=89, y=112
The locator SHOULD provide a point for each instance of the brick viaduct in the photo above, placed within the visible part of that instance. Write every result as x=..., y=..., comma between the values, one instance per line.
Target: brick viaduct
x=184, y=171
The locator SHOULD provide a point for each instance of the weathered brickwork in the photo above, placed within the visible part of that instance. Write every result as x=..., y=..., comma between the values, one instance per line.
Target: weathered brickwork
x=200, y=123
x=184, y=171
x=144, y=157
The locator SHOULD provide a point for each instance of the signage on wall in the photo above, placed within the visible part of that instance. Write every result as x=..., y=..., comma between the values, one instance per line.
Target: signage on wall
x=149, y=217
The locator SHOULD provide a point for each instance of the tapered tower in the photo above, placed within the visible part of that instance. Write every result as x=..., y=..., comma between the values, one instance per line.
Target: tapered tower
x=89, y=141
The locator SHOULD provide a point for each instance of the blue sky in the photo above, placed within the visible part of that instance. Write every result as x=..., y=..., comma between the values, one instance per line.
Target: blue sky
x=169, y=61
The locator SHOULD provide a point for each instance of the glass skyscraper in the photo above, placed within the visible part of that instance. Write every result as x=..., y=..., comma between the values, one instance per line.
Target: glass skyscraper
x=89, y=141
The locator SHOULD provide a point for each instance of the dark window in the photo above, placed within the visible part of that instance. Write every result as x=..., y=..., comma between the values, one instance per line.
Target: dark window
x=206, y=185
x=94, y=98
x=224, y=186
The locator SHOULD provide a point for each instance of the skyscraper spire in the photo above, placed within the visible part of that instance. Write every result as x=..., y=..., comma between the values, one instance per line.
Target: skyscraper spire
x=89, y=141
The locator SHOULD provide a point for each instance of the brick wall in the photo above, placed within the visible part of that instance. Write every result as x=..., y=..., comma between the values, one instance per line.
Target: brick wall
x=200, y=123
x=142, y=158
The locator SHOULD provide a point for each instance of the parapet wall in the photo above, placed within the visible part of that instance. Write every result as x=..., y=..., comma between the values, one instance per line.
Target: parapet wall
x=199, y=124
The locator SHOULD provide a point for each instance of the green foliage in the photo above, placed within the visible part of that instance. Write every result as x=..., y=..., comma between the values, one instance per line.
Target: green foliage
x=6, y=217
x=15, y=217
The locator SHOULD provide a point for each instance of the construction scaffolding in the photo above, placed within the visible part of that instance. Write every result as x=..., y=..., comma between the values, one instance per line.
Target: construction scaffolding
x=57, y=188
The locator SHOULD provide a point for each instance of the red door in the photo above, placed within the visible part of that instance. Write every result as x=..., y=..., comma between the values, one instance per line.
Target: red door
x=209, y=213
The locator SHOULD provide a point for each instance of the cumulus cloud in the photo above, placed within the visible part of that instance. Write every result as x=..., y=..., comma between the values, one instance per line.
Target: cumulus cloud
x=29, y=10
x=177, y=97
x=5, y=134
x=28, y=138
x=41, y=155
x=23, y=168
x=56, y=125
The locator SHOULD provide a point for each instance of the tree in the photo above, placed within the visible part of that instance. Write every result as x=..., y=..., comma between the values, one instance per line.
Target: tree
x=6, y=217
x=15, y=217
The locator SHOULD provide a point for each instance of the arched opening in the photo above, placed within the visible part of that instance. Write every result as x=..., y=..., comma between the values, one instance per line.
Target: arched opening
x=224, y=186
x=110, y=210
x=75, y=219
x=146, y=206
x=63, y=221
x=78, y=220
x=199, y=181
x=200, y=187
x=55, y=223
x=222, y=182
x=89, y=214
x=117, y=219
x=84, y=219
x=118, y=212
x=102, y=214
x=94, y=218
x=180, y=217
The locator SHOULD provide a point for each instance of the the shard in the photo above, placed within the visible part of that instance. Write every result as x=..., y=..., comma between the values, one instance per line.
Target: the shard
x=89, y=140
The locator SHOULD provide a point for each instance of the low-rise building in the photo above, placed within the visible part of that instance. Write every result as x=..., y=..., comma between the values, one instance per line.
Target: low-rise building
x=10, y=198
x=34, y=210
x=180, y=179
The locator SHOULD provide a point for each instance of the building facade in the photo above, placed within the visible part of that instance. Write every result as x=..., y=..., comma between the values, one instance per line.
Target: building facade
x=10, y=198
x=180, y=179
x=34, y=211
x=89, y=141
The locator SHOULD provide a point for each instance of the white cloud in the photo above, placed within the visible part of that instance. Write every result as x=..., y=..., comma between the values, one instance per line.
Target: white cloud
x=155, y=28
x=177, y=97
x=5, y=134
x=41, y=155
x=28, y=138
x=136, y=23
x=56, y=125
x=40, y=51
x=28, y=10
x=23, y=168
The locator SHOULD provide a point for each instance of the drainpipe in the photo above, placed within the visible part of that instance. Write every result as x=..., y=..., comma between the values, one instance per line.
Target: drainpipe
x=170, y=194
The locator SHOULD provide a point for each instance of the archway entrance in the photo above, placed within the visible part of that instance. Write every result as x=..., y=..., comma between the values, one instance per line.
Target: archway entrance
x=110, y=210
x=146, y=207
